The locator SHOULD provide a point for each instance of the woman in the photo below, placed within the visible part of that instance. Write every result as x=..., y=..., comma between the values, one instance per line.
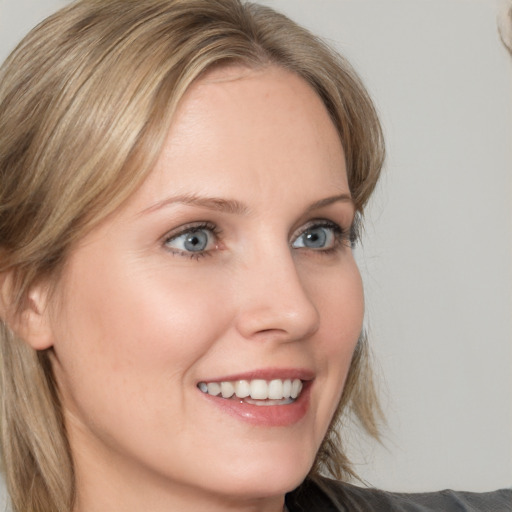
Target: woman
x=181, y=310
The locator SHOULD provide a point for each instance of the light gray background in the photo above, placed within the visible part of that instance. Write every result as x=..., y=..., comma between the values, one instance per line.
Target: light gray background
x=436, y=258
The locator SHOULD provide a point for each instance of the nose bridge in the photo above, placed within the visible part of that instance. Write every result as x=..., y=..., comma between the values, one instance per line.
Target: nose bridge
x=274, y=301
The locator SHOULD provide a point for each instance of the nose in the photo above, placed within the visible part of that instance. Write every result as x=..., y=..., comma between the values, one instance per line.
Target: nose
x=273, y=301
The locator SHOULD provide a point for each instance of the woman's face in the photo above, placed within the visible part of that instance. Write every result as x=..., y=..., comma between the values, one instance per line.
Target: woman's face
x=231, y=263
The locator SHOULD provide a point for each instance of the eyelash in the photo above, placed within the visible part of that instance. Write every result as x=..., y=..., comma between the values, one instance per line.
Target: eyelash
x=191, y=228
x=343, y=236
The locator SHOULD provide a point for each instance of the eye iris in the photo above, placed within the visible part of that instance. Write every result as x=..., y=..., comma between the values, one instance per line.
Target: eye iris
x=196, y=241
x=315, y=238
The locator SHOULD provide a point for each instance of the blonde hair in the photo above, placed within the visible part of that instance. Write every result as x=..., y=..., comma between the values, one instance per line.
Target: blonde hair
x=87, y=99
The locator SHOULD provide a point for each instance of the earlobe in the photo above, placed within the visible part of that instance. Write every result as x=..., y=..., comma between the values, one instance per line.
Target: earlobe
x=31, y=321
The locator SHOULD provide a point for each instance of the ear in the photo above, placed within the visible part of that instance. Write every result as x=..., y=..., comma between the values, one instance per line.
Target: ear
x=31, y=323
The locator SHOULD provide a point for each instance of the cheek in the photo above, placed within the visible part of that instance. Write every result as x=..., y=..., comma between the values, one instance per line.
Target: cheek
x=130, y=334
x=347, y=320
x=339, y=299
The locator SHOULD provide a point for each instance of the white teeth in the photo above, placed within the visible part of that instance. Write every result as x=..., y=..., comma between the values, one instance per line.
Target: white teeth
x=242, y=389
x=275, y=389
x=287, y=388
x=296, y=388
x=257, y=389
x=227, y=389
x=213, y=388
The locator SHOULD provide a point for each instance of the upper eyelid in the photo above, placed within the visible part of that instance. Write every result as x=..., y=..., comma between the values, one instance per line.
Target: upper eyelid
x=350, y=232
x=185, y=228
x=314, y=223
x=175, y=234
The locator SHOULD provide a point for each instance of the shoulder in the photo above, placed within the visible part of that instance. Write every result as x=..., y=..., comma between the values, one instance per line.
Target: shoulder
x=325, y=495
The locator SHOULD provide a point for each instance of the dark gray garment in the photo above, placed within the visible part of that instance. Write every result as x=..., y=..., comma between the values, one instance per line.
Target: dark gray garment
x=324, y=495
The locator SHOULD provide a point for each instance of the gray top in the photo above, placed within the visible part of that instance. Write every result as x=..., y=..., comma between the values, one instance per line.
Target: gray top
x=324, y=495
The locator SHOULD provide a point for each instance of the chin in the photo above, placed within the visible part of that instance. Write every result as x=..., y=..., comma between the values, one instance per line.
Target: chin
x=266, y=472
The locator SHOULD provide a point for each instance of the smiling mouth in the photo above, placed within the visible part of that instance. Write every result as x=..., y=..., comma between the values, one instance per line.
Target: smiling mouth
x=255, y=391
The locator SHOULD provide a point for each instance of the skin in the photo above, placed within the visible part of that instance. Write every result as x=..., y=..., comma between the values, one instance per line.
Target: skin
x=136, y=322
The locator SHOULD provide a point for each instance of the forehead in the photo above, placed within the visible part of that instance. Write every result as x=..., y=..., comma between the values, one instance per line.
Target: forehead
x=238, y=131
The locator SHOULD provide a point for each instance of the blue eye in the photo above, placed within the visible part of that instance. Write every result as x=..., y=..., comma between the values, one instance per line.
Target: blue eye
x=317, y=237
x=194, y=240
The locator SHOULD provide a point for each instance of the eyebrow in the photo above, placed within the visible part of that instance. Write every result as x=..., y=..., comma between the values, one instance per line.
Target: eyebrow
x=211, y=203
x=343, y=198
x=233, y=206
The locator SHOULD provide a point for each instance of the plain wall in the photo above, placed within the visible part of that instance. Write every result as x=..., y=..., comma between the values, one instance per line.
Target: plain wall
x=436, y=255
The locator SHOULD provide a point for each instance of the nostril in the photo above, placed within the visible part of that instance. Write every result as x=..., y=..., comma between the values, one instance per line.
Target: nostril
x=278, y=325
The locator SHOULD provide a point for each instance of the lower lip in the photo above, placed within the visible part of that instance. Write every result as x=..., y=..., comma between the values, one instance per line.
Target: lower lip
x=265, y=415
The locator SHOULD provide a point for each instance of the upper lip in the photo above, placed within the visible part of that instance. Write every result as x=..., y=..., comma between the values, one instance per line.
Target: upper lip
x=303, y=374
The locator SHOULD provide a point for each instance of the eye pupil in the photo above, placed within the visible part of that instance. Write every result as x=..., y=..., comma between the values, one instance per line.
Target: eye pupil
x=315, y=237
x=196, y=241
